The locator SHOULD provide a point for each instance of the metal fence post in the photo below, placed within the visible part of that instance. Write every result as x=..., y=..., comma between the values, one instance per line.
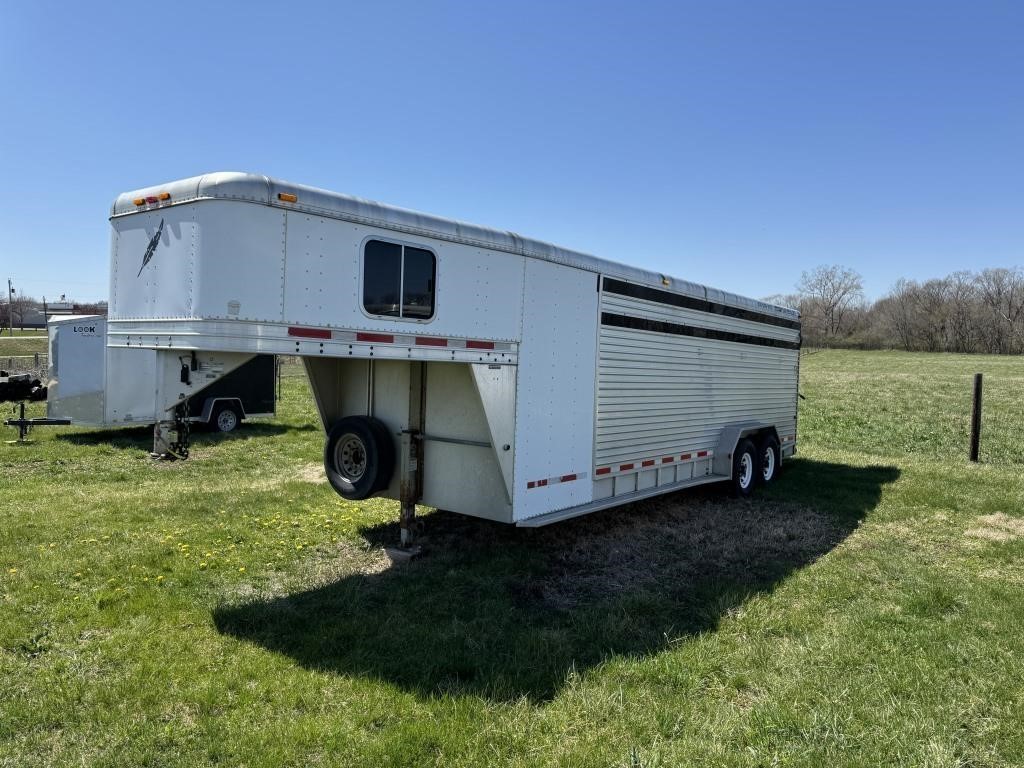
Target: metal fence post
x=976, y=418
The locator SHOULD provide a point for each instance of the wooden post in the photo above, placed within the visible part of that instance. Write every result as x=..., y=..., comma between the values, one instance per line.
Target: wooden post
x=976, y=418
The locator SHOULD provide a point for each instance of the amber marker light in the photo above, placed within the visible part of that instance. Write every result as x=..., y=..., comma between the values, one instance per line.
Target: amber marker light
x=164, y=195
x=287, y=197
x=139, y=201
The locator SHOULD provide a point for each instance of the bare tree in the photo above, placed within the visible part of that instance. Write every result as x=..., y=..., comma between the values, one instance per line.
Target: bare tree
x=1001, y=292
x=19, y=306
x=962, y=331
x=828, y=293
x=898, y=312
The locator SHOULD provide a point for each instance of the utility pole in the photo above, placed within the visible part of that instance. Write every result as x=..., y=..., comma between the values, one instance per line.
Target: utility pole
x=10, y=307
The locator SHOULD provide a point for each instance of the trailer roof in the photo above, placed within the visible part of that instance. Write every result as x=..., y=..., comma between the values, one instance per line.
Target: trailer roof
x=254, y=188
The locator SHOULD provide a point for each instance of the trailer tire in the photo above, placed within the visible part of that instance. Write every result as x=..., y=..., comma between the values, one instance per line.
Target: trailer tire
x=359, y=457
x=770, y=459
x=225, y=418
x=745, y=468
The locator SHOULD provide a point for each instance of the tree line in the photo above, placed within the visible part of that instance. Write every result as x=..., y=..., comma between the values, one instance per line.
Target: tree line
x=962, y=312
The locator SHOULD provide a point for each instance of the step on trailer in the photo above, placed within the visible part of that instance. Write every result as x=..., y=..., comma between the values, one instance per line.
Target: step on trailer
x=455, y=366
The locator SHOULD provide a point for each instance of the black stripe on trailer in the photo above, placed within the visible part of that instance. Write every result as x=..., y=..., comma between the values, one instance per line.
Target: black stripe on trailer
x=659, y=326
x=647, y=293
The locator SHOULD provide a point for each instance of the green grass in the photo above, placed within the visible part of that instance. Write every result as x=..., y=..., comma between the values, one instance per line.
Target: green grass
x=21, y=345
x=232, y=609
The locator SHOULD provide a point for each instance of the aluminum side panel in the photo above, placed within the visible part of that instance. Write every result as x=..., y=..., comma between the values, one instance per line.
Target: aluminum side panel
x=496, y=387
x=555, y=389
x=660, y=394
x=239, y=270
x=152, y=264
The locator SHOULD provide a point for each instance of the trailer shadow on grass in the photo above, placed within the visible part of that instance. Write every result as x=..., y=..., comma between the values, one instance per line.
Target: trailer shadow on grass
x=504, y=613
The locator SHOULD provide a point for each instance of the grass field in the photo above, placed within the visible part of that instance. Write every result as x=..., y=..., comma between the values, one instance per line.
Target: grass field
x=231, y=609
x=17, y=345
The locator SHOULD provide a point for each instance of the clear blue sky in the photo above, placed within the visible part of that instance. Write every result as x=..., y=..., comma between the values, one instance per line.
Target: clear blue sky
x=731, y=143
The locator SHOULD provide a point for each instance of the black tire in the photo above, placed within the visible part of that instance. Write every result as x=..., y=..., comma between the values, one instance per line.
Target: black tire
x=745, y=468
x=769, y=459
x=359, y=457
x=225, y=418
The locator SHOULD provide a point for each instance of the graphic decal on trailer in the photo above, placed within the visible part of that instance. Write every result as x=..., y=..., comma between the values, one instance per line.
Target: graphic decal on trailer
x=151, y=248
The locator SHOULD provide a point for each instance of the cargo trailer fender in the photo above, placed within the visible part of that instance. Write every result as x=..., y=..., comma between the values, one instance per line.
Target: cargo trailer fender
x=211, y=402
x=731, y=435
x=496, y=385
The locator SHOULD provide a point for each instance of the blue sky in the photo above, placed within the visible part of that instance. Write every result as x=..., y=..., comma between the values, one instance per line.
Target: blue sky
x=730, y=143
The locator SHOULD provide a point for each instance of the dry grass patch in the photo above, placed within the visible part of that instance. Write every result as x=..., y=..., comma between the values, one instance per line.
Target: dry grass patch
x=998, y=527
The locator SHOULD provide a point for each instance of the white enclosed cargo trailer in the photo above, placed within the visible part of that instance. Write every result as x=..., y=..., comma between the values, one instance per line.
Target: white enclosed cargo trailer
x=93, y=383
x=456, y=366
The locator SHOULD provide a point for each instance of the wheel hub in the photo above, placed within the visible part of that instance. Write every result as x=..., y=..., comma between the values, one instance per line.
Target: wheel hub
x=351, y=457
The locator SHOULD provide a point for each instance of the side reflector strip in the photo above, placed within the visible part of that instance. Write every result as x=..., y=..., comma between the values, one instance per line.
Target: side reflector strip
x=701, y=454
x=647, y=463
x=382, y=338
x=603, y=471
x=559, y=479
x=479, y=344
x=430, y=341
x=310, y=333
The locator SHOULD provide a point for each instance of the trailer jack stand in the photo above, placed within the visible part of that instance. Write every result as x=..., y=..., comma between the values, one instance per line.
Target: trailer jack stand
x=407, y=549
x=171, y=438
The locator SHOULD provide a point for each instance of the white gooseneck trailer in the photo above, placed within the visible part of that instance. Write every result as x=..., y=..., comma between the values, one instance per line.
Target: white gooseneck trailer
x=455, y=366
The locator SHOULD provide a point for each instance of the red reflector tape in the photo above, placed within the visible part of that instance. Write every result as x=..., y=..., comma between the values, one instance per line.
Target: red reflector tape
x=701, y=454
x=603, y=471
x=542, y=483
x=685, y=457
x=648, y=463
x=624, y=467
x=668, y=460
x=479, y=344
x=568, y=478
x=430, y=341
x=531, y=484
x=383, y=338
x=310, y=333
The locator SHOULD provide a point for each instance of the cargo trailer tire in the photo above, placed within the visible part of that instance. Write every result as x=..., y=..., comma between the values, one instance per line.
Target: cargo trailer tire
x=225, y=418
x=359, y=457
x=745, y=468
x=770, y=459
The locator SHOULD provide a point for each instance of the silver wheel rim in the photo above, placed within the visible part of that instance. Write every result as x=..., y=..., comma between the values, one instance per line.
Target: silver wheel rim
x=769, y=464
x=226, y=421
x=746, y=470
x=350, y=457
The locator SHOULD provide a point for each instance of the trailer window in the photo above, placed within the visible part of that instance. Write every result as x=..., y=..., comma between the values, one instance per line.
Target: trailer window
x=398, y=280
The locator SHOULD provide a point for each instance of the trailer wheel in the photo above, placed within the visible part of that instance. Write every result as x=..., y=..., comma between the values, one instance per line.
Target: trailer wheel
x=771, y=458
x=359, y=457
x=225, y=418
x=745, y=468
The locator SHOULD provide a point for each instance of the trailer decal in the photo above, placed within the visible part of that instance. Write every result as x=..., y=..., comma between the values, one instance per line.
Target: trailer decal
x=677, y=329
x=556, y=480
x=151, y=248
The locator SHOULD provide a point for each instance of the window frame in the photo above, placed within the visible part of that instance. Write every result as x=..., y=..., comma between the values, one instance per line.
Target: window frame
x=401, y=280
